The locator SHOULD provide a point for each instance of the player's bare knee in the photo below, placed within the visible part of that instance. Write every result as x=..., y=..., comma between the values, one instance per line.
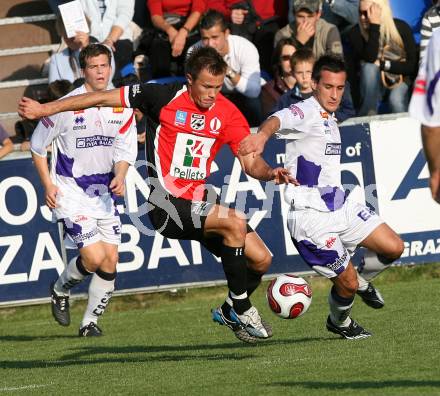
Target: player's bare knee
x=92, y=263
x=236, y=229
x=262, y=264
x=350, y=286
x=394, y=249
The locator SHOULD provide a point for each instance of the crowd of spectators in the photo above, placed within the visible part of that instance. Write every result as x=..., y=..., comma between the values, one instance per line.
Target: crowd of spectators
x=269, y=46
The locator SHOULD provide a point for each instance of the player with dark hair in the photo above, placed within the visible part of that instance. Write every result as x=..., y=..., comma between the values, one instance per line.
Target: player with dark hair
x=186, y=127
x=326, y=227
x=93, y=149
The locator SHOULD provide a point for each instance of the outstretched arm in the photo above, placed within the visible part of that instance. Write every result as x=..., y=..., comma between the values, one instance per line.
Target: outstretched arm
x=257, y=167
x=255, y=143
x=31, y=109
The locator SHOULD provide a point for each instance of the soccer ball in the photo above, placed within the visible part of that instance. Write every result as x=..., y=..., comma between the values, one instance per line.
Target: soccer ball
x=289, y=296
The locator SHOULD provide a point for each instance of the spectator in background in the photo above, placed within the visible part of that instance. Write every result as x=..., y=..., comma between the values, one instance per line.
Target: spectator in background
x=172, y=33
x=385, y=52
x=310, y=31
x=341, y=13
x=110, y=25
x=6, y=145
x=242, y=84
x=302, y=63
x=430, y=23
x=64, y=65
x=256, y=20
x=283, y=79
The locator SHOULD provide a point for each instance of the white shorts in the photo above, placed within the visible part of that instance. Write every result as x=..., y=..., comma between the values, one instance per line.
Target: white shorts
x=81, y=231
x=327, y=240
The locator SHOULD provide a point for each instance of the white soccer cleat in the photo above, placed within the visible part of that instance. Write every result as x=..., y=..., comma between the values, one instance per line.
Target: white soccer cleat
x=251, y=321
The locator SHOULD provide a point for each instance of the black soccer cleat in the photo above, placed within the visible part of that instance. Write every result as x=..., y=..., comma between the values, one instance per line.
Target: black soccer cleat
x=352, y=332
x=372, y=297
x=60, y=307
x=91, y=330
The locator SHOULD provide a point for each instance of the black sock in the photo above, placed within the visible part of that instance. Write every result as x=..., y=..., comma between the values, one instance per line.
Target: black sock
x=234, y=265
x=81, y=268
x=253, y=281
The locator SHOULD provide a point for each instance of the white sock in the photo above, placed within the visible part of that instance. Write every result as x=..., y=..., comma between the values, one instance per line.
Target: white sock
x=101, y=289
x=73, y=274
x=363, y=283
x=340, y=308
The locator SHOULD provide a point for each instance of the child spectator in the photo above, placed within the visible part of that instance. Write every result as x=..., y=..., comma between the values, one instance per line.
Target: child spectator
x=302, y=62
x=283, y=79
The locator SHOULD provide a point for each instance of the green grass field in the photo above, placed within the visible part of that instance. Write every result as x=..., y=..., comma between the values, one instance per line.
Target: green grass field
x=167, y=345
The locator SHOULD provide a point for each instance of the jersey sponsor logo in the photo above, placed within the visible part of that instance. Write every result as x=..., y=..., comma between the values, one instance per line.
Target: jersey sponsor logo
x=94, y=141
x=296, y=111
x=80, y=218
x=118, y=110
x=197, y=122
x=117, y=122
x=47, y=122
x=214, y=125
x=180, y=118
x=190, y=157
x=330, y=242
x=333, y=149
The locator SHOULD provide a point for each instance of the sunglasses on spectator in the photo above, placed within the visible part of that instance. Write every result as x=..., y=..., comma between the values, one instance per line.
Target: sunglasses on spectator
x=285, y=57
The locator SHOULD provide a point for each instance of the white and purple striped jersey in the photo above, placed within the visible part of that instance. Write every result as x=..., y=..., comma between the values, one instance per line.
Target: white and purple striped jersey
x=425, y=101
x=313, y=155
x=85, y=146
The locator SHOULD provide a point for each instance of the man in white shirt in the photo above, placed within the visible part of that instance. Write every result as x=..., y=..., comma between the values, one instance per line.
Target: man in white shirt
x=91, y=152
x=242, y=84
x=425, y=107
x=326, y=227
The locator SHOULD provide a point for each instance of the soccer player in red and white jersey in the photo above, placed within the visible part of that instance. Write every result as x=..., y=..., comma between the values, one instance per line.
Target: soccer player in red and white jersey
x=186, y=127
x=425, y=107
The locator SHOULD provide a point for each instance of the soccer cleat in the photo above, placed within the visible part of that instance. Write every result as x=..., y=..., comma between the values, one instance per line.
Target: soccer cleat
x=252, y=322
x=60, y=307
x=372, y=297
x=352, y=332
x=91, y=330
x=268, y=328
x=234, y=324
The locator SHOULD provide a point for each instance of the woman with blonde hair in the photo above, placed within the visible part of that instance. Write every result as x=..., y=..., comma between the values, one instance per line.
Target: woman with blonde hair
x=386, y=54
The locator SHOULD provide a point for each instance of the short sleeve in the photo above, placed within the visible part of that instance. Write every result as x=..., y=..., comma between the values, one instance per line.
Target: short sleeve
x=236, y=130
x=45, y=132
x=425, y=101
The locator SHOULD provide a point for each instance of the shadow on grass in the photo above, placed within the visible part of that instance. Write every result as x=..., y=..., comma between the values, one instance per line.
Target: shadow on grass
x=33, y=364
x=358, y=385
x=23, y=338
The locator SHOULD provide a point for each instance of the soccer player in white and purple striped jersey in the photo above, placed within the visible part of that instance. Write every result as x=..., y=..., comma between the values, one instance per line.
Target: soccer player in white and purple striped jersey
x=91, y=152
x=325, y=226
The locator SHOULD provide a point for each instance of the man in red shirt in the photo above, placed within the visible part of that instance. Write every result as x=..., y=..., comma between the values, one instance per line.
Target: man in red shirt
x=186, y=127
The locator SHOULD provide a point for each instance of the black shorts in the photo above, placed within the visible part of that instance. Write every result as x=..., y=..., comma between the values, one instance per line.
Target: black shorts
x=179, y=218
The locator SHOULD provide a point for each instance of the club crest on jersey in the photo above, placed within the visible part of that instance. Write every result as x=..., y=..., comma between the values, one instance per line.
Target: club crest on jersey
x=118, y=110
x=214, y=126
x=180, y=118
x=197, y=122
x=296, y=111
